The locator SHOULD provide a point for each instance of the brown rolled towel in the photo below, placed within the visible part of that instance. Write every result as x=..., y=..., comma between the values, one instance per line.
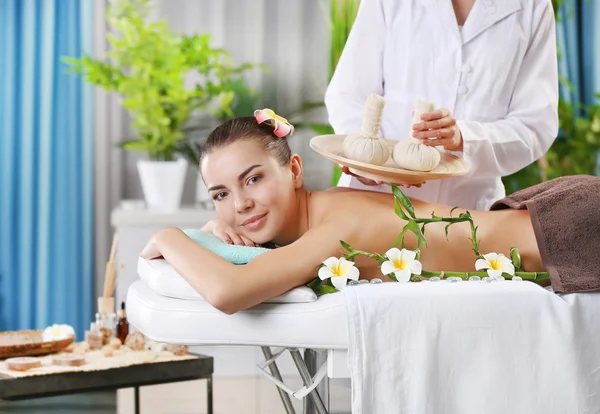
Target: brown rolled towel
x=565, y=213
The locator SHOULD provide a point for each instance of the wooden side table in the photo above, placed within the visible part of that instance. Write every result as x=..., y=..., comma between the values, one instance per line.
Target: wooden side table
x=133, y=376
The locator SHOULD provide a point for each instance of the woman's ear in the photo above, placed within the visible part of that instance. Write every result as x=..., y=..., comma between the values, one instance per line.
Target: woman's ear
x=297, y=170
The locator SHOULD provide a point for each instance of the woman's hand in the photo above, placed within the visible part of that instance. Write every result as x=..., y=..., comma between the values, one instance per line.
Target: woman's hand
x=369, y=182
x=151, y=251
x=224, y=232
x=438, y=128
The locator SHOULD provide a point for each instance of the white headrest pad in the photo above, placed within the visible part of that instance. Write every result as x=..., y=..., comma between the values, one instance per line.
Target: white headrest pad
x=165, y=281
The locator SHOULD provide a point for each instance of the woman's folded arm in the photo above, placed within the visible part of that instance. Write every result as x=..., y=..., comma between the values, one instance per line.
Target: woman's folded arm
x=231, y=288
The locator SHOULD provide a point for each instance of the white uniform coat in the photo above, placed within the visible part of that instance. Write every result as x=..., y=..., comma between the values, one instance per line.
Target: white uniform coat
x=497, y=74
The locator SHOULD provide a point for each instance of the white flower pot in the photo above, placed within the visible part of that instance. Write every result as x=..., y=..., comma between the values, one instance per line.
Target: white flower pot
x=162, y=182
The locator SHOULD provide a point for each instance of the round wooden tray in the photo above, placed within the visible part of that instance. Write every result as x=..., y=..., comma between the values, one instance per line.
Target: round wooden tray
x=29, y=343
x=330, y=146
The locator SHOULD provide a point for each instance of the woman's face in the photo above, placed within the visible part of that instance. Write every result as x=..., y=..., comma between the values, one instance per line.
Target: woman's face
x=252, y=193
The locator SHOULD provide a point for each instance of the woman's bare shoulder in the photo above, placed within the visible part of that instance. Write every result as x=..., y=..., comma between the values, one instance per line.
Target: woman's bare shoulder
x=338, y=203
x=338, y=193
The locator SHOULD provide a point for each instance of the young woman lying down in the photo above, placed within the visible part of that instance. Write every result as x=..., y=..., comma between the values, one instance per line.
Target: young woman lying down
x=256, y=184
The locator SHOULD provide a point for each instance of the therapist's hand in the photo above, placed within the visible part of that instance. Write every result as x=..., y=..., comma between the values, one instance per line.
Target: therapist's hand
x=363, y=180
x=438, y=128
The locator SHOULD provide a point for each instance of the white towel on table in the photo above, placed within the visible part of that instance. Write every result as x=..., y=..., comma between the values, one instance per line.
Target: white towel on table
x=471, y=348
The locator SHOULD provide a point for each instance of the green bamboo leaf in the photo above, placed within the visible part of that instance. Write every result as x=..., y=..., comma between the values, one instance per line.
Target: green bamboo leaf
x=400, y=238
x=414, y=227
x=399, y=195
x=399, y=212
x=346, y=246
x=465, y=216
x=392, y=276
x=446, y=229
x=327, y=289
x=314, y=283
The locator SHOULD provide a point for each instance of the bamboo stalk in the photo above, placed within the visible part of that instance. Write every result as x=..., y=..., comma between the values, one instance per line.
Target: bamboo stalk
x=537, y=277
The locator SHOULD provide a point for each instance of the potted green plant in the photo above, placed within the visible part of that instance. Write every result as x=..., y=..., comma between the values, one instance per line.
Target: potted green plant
x=148, y=66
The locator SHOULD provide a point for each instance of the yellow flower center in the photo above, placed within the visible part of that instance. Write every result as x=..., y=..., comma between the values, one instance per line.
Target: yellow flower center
x=495, y=264
x=337, y=270
x=400, y=264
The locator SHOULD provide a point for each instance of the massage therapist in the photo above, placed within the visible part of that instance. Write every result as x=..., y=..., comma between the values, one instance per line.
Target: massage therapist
x=492, y=66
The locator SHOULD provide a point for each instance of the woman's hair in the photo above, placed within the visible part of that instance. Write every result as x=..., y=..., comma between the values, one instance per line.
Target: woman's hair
x=247, y=128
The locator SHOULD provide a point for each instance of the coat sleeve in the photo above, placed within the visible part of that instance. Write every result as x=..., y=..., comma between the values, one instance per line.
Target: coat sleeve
x=359, y=71
x=504, y=147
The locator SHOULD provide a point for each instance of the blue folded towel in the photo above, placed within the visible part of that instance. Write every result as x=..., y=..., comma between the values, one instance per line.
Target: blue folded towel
x=230, y=252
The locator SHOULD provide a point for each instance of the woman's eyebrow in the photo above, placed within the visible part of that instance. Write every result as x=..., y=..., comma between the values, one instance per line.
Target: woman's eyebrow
x=240, y=178
x=217, y=187
x=247, y=171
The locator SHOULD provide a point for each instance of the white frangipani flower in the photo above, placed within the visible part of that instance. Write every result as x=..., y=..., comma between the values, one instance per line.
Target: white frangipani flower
x=402, y=263
x=495, y=264
x=339, y=270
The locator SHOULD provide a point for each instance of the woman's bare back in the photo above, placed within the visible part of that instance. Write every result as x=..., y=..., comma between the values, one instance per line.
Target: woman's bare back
x=374, y=214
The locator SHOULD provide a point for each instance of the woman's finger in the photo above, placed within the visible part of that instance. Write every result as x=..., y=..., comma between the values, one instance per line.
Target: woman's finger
x=367, y=181
x=235, y=238
x=436, y=134
x=445, y=122
x=347, y=171
x=223, y=236
x=247, y=241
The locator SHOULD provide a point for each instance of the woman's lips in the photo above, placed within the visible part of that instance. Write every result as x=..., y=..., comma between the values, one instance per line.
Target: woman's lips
x=255, y=222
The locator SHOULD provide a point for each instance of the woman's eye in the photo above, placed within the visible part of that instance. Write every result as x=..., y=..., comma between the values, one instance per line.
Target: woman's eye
x=254, y=180
x=219, y=196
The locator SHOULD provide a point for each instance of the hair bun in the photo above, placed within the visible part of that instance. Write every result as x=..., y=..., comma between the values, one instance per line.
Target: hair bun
x=281, y=127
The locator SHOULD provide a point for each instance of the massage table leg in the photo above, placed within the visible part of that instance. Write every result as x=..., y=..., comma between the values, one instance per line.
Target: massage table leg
x=314, y=360
x=285, y=398
x=319, y=406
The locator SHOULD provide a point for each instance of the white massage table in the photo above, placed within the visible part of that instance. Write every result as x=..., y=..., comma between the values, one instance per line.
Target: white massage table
x=166, y=309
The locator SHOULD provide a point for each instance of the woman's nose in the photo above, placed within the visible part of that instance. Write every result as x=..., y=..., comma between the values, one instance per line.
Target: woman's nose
x=242, y=205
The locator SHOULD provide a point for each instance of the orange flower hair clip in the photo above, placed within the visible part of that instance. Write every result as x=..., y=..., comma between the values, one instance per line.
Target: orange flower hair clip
x=281, y=126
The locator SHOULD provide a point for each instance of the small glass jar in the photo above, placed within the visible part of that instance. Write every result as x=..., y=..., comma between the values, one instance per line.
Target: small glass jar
x=106, y=319
x=107, y=325
x=94, y=337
